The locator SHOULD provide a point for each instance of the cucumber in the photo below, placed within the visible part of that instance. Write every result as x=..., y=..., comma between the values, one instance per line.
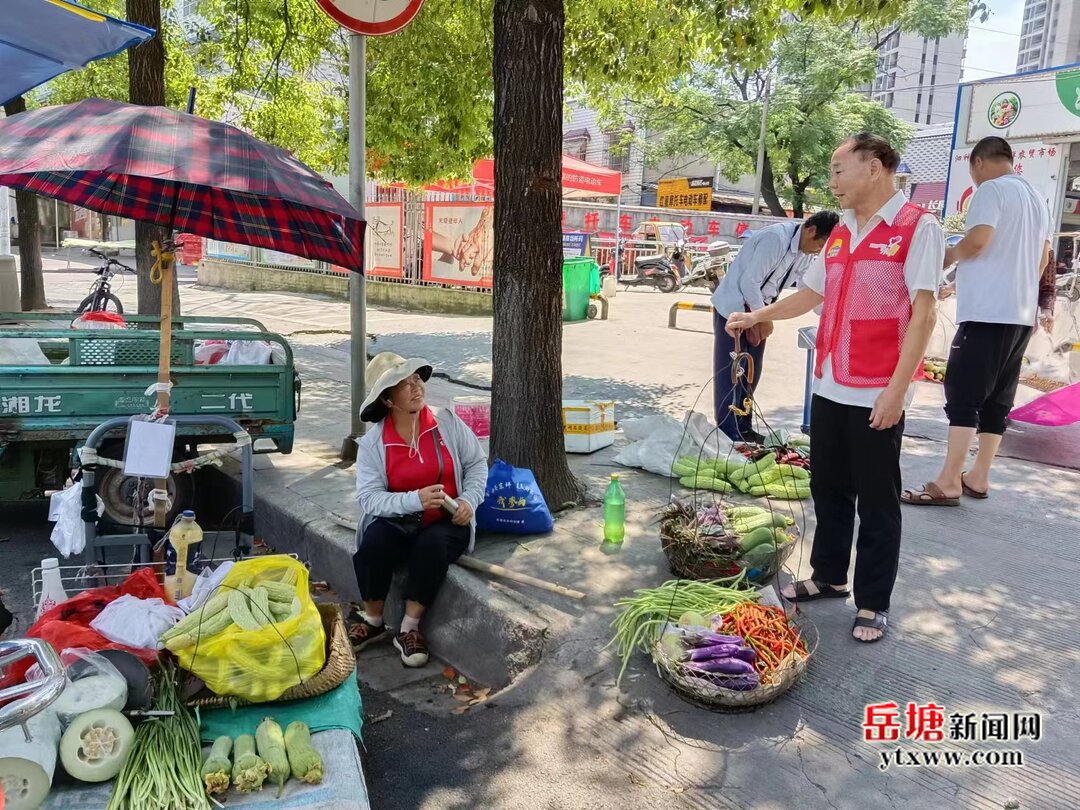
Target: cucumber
x=757, y=537
x=790, y=472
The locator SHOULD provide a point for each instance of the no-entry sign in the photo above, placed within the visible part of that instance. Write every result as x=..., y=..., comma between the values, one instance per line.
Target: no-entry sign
x=373, y=18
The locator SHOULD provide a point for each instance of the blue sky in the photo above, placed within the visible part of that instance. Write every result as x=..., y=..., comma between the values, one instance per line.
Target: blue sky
x=992, y=45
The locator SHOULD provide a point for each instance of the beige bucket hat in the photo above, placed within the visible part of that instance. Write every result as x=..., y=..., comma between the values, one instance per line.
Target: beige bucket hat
x=384, y=371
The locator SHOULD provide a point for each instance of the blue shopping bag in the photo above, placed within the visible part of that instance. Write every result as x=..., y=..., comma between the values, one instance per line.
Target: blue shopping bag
x=513, y=503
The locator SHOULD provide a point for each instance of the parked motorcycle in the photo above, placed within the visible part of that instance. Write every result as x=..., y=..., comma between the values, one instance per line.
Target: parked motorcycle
x=710, y=268
x=656, y=271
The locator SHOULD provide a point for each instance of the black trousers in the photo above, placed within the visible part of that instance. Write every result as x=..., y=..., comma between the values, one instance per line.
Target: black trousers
x=724, y=392
x=983, y=372
x=855, y=469
x=427, y=551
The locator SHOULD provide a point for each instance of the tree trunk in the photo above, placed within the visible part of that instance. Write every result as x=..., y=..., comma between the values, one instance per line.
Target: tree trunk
x=527, y=334
x=768, y=190
x=146, y=85
x=31, y=281
x=798, y=192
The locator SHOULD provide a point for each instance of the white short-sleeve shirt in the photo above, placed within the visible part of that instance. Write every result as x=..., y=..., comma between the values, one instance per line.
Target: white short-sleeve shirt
x=1001, y=284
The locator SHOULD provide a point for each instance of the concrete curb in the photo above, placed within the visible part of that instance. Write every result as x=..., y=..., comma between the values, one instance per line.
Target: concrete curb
x=488, y=633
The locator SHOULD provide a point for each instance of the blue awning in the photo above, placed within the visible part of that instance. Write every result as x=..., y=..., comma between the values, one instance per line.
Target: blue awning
x=40, y=39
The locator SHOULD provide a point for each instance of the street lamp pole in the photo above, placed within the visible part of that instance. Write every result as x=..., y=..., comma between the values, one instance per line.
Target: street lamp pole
x=357, y=193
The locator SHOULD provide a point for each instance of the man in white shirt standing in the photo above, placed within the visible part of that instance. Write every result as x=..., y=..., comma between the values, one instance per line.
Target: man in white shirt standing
x=999, y=263
x=877, y=281
x=773, y=259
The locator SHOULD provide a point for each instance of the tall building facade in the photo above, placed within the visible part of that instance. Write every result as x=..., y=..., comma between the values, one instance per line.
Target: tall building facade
x=1049, y=35
x=917, y=77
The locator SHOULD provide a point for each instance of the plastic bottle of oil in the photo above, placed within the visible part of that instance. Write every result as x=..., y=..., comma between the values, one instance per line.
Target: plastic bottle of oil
x=184, y=534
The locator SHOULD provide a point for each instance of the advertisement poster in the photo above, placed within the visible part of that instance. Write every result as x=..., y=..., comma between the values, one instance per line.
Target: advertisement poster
x=385, y=239
x=285, y=259
x=227, y=250
x=685, y=193
x=459, y=240
x=1029, y=107
x=1037, y=162
x=575, y=244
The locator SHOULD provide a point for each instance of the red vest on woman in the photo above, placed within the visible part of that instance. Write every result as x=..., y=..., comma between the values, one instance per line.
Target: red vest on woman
x=867, y=304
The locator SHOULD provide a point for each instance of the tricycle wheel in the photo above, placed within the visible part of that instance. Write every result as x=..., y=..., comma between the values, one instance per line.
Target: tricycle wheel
x=118, y=493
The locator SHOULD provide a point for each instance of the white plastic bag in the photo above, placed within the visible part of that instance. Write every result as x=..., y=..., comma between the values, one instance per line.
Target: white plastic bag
x=1041, y=360
x=92, y=683
x=247, y=353
x=21, y=352
x=66, y=509
x=205, y=585
x=665, y=439
x=136, y=622
x=209, y=352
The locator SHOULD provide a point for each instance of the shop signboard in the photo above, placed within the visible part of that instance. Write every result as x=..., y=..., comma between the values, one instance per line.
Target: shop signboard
x=1037, y=162
x=685, y=193
x=459, y=240
x=385, y=239
x=1042, y=106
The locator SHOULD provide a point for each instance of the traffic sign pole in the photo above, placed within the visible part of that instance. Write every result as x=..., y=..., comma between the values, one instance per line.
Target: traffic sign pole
x=357, y=196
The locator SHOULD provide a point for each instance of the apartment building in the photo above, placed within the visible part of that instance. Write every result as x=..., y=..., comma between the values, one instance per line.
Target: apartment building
x=1049, y=35
x=917, y=77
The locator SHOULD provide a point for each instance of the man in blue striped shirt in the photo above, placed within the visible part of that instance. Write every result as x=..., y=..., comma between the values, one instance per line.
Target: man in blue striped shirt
x=774, y=259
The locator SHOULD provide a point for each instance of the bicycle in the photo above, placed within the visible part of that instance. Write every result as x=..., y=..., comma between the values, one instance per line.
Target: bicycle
x=101, y=297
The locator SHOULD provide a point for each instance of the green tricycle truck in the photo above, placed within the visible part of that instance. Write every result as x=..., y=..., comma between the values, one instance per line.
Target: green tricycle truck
x=63, y=382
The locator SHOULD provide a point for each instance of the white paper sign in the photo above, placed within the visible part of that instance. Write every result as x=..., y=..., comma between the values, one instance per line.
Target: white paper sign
x=149, y=449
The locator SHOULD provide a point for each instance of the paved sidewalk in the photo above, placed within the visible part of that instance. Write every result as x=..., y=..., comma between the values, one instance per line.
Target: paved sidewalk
x=982, y=618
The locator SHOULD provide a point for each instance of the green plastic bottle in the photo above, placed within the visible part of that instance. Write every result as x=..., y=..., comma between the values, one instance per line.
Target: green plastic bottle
x=614, y=511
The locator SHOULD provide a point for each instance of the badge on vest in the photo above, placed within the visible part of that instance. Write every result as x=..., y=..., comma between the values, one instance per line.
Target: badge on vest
x=835, y=248
x=890, y=249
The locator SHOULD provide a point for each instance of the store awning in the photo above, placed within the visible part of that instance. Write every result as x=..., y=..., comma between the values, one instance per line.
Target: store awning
x=929, y=195
x=40, y=39
x=579, y=179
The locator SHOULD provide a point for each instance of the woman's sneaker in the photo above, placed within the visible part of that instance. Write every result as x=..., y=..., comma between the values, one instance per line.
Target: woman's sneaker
x=413, y=648
x=362, y=633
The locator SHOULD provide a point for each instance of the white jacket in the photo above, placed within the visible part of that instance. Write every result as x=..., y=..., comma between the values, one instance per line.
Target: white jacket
x=470, y=473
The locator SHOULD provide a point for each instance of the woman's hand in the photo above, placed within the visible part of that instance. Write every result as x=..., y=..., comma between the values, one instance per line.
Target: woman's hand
x=464, y=514
x=432, y=497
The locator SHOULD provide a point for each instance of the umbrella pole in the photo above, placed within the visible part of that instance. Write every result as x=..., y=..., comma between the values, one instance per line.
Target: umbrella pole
x=164, y=275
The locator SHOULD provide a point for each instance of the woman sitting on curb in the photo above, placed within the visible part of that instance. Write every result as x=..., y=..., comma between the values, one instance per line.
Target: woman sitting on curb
x=412, y=466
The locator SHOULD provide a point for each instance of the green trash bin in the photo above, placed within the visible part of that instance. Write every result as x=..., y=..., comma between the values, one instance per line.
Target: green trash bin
x=578, y=273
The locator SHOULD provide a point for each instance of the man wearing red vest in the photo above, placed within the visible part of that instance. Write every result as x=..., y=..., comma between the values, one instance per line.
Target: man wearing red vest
x=877, y=281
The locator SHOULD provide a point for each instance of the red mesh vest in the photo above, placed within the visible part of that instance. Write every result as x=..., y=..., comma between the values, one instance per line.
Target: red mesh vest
x=867, y=304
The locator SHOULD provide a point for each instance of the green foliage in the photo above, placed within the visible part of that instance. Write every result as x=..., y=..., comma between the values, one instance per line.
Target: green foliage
x=819, y=72
x=278, y=68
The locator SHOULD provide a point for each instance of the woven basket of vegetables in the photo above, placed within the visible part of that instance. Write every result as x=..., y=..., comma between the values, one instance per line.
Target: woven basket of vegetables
x=749, y=658
x=717, y=541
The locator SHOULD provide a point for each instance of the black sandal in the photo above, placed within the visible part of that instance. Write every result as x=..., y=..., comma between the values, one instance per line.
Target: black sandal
x=879, y=622
x=824, y=591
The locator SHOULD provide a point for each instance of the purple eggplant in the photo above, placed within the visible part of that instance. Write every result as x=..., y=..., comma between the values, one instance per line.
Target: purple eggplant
x=723, y=666
x=747, y=654
x=707, y=639
x=743, y=683
x=713, y=651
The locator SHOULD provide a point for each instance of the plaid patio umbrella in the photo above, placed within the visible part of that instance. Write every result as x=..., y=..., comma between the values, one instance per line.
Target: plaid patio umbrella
x=153, y=164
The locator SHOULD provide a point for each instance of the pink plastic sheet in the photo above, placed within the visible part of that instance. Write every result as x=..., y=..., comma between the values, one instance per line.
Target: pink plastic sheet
x=1056, y=409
